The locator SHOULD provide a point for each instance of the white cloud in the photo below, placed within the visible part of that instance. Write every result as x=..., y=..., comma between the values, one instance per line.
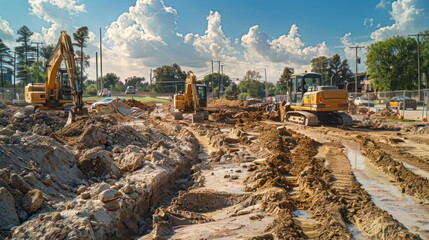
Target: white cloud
x=6, y=33
x=59, y=13
x=409, y=16
x=148, y=32
x=350, y=53
x=382, y=4
x=287, y=48
x=368, y=22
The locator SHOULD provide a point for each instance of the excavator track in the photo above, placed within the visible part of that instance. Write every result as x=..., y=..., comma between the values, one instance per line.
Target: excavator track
x=302, y=117
x=311, y=119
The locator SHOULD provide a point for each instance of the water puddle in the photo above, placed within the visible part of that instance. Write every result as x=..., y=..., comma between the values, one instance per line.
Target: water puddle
x=356, y=233
x=302, y=214
x=203, y=153
x=387, y=196
x=416, y=170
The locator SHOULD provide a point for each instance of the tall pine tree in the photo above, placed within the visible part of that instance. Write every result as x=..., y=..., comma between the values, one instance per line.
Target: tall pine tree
x=25, y=54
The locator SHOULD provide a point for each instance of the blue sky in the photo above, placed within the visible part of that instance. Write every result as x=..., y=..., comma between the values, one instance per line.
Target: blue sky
x=242, y=34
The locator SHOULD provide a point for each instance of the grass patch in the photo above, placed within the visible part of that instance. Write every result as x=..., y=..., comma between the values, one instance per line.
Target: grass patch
x=141, y=99
x=400, y=120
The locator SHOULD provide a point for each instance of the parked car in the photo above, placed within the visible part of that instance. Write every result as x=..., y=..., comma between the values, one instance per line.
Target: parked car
x=105, y=102
x=363, y=101
x=130, y=90
x=398, y=102
x=105, y=92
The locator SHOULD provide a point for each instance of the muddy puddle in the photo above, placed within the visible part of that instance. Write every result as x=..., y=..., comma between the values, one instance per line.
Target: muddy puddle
x=416, y=170
x=387, y=196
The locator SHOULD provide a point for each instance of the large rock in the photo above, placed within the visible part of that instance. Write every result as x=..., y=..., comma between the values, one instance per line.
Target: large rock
x=96, y=163
x=8, y=216
x=131, y=161
x=109, y=195
x=93, y=137
x=32, y=201
x=17, y=182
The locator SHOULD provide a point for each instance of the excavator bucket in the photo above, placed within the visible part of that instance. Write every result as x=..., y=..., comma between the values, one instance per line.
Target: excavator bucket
x=198, y=118
x=73, y=113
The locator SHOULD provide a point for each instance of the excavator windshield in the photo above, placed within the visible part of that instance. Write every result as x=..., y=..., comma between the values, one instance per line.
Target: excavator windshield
x=301, y=83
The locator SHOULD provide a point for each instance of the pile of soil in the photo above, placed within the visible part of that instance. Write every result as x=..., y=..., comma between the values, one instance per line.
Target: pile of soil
x=144, y=106
x=222, y=103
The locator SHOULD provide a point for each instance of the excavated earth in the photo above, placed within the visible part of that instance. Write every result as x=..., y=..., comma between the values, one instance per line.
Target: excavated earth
x=239, y=175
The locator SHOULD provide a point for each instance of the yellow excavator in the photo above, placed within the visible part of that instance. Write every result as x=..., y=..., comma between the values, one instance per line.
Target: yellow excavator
x=62, y=90
x=193, y=100
x=309, y=103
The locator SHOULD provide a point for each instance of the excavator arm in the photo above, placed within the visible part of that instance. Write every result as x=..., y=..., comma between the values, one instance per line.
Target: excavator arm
x=63, y=51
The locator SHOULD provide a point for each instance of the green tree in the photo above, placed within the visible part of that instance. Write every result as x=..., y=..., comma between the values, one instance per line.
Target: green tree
x=281, y=85
x=46, y=52
x=36, y=72
x=424, y=59
x=23, y=53
x=392, y=64
x=321, y=65
x=6, y=65
x=81, y=37
x=213, y=78
x=168, y=78
x=338, y=71
x=110, y=80
x=134, y=81
x=232, y=90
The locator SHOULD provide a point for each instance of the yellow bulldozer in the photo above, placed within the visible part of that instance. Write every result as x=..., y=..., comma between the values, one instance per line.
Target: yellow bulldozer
x=193, y=100
x=62, y=90
x=309, y=103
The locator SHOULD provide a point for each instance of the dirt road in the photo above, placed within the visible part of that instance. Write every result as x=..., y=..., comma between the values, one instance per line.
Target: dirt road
x=239, y=175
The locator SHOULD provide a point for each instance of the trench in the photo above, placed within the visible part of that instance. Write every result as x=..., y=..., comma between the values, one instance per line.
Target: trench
x=386, y=195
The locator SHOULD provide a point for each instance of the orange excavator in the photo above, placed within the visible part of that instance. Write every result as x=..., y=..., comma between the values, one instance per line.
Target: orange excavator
x=309, y=103
x=193, y=100
x=62, y=90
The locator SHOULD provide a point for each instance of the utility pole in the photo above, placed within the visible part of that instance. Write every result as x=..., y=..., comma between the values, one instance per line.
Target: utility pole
x=37, y=44
x=97, y=85
x=419, y=76
x=101, y=57
x=220, y=78
x=212, y=82
x=14, y=75
x=357, y=62
x=1, y=69
x=266, y=89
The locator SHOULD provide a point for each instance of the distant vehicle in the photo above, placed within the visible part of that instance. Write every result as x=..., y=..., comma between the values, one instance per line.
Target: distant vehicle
x=105, y=92
x=130, y=90
x=105, y=102
x=363, y=101
x=398, y=102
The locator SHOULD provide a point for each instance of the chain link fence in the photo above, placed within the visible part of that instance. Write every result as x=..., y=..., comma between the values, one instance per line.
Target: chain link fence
x=409, y=104
x=10, y=94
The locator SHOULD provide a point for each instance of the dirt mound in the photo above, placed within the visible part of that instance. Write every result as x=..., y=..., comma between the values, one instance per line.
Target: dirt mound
x=221, y=103
x=386, y=112
x=144, y=106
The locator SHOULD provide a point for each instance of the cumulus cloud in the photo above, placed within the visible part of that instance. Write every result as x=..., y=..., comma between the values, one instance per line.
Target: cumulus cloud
x=59, y=13
x=350, y=53
x=148, y=32
x=6, y=33
x=409, y=16
x=287, y=48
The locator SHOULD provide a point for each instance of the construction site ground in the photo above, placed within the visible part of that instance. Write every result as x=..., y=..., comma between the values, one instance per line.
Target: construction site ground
x=130, y=171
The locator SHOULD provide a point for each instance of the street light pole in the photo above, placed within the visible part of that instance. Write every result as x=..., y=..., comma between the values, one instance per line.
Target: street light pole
x=419, y=76
x=1, y=69
x=356, y=85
